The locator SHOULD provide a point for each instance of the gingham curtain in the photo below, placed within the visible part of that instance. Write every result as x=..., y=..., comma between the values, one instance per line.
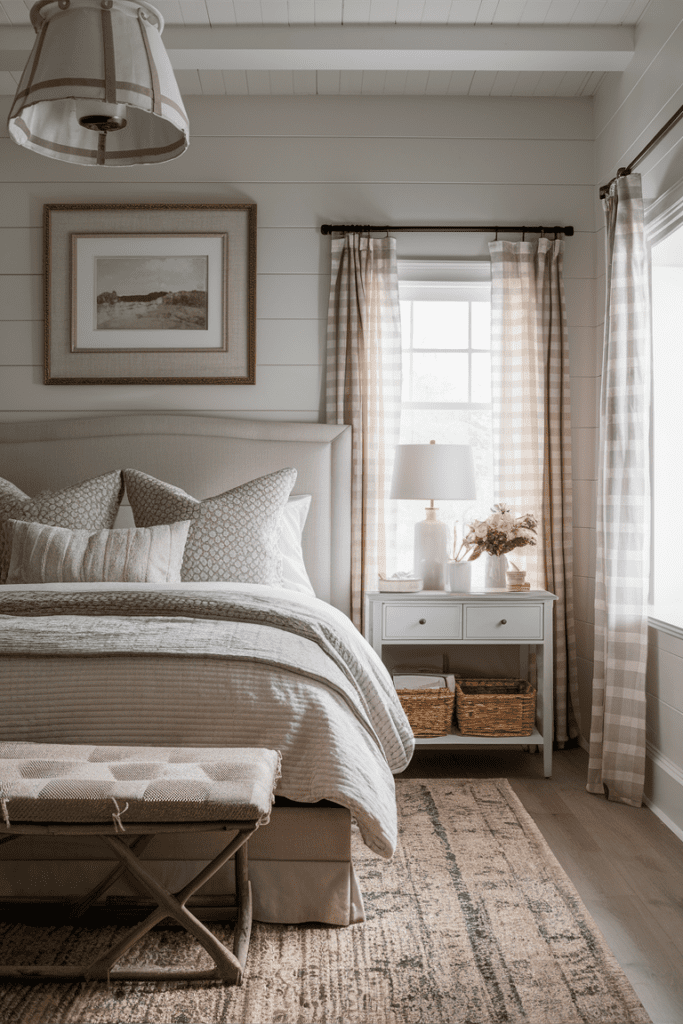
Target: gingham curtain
x=364, y=389
x=532, y=432
x=617, y=741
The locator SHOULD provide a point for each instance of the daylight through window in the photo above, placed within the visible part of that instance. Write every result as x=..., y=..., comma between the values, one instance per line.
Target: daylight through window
x=446, y=341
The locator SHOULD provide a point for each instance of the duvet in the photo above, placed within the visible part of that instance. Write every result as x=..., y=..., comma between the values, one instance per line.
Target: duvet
x=209, y=664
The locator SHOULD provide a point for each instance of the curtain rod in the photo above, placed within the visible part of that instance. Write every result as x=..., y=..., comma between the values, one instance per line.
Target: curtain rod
x=623, y=171
x=327, y=229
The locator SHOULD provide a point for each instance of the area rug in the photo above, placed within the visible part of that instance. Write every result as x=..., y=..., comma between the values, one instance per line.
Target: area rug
x=472, y=922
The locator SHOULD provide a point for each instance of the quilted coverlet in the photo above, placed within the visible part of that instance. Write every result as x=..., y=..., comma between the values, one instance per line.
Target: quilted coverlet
x=201, y=664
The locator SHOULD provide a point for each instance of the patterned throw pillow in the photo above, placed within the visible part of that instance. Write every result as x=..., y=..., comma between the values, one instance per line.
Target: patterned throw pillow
x=90, y=505
x=234, y=536
x=52, y=554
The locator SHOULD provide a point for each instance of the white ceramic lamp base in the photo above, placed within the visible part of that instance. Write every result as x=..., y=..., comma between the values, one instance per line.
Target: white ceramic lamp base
x=431, y=551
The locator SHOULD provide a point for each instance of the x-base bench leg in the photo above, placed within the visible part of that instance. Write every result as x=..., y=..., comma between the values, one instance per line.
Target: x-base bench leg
x=229, y=965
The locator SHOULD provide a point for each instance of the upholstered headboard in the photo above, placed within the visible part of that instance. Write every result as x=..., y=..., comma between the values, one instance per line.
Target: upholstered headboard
x=205, y=455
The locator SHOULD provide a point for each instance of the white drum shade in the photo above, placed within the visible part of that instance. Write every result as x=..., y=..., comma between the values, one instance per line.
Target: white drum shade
x=426, y=471
x=103, y=60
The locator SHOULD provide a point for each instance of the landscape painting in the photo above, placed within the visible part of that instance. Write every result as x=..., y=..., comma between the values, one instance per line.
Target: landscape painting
x=149, y=293
x=152, y=293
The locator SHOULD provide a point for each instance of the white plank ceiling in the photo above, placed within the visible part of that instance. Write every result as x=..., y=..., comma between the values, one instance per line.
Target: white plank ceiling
x=310, y=33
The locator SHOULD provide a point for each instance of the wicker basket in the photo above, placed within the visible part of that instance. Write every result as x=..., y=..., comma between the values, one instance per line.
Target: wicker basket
x=495, y=707
x=430, y=712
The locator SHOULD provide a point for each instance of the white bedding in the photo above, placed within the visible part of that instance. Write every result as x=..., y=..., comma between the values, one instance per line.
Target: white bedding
x=314, y=690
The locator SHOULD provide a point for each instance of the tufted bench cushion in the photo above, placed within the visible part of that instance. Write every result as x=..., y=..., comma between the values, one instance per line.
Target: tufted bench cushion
x=44, y=782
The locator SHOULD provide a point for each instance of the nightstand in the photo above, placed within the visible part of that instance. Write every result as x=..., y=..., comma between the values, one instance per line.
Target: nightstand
x=487, y=617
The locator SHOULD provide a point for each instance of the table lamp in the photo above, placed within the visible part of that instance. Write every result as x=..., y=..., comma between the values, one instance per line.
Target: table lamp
x=444, y=471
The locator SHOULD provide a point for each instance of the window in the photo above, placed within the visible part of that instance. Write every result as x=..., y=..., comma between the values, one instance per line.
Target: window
x=446, y=340
x=667, y=441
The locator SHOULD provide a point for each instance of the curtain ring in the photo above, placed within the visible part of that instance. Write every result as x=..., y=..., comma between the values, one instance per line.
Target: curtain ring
x=542, y=232
x=496, y=238
x=523, y=234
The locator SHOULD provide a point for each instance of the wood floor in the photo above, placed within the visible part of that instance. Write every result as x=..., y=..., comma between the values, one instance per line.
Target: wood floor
x=626, y=865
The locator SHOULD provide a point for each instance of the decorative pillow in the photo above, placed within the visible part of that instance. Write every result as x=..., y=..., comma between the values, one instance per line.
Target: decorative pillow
x=90, y=505
x=51, y=554
x=233, y=537
x=294, y=575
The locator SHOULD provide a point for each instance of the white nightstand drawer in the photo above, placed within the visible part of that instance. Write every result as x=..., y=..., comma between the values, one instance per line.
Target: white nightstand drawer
x=503, y=622
x=422, y=621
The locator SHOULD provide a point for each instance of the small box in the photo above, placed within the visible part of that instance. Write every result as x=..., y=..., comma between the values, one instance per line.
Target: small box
x=400, y=586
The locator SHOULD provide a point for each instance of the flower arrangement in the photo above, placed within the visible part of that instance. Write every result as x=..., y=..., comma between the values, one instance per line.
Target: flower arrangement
x=499, y=534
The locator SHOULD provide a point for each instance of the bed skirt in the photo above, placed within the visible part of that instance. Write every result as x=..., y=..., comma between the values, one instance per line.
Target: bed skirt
x=300, y=867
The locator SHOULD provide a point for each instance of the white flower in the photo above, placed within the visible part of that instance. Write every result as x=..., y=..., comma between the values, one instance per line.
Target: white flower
x=501, y=532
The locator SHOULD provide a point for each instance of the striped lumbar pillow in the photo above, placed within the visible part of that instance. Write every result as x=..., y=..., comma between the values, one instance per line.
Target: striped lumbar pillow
x=52, y=554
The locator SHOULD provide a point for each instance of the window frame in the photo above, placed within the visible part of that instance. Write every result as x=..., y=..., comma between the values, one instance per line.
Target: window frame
x=663, y=217
x=447, y=281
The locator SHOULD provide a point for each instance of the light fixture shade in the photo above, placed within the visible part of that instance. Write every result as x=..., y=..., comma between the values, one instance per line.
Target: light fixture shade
x=103, y=60
x=425, y=471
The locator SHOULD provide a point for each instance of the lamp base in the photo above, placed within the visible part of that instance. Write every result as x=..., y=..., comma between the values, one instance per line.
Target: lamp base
x=431, y=551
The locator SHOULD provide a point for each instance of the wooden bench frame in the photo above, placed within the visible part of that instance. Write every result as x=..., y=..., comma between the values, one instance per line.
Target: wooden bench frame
x=230, y=965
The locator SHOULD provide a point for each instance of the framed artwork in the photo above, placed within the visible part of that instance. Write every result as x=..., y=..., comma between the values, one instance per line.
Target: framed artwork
x=150, y=293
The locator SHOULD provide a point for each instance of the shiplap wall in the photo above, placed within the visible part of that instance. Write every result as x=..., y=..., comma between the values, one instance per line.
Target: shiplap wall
x=629, y=109
x=306, y=161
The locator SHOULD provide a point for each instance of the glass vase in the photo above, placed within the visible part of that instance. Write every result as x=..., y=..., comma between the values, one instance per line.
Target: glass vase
x=494, y=572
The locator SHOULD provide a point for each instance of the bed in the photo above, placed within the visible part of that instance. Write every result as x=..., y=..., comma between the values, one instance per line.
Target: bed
x=207, y=663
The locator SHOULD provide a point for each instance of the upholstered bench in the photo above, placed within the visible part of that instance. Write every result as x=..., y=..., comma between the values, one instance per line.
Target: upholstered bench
x=118, y=793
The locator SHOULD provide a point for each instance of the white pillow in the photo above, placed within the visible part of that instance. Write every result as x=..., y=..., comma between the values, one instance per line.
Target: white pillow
x=294, y=575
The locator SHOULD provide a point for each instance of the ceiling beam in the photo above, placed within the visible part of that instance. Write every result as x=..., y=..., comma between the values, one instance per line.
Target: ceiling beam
x=378, y=48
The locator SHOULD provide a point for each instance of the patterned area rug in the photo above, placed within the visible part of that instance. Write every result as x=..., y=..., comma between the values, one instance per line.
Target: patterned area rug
x=473, y=922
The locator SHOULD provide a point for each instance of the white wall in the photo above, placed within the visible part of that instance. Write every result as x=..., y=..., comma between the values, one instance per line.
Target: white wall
x=304, y=161
x=629, y=109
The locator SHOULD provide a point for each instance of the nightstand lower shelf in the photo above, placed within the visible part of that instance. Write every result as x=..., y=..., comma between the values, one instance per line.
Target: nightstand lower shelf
x=456, y=739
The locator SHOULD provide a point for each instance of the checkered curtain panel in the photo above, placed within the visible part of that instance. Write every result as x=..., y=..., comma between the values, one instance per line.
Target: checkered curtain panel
x=532, y=432
x=364, y=390
x=617, y=740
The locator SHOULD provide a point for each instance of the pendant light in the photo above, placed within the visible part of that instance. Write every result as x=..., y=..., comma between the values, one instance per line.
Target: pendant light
x=98, y=88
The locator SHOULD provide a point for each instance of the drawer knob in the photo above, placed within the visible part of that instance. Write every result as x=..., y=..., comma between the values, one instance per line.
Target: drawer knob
x=422, y=622
x=503, y=622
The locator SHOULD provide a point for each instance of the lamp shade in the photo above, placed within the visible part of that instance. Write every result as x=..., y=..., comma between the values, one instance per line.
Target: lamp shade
x=428, y=471
x=98, y=88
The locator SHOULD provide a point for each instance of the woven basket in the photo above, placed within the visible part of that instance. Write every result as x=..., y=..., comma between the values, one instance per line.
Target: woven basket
x=430, y=712
x=495, y=707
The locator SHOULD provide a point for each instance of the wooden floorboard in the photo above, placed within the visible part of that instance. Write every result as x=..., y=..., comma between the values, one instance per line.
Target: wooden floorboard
x=626, y=865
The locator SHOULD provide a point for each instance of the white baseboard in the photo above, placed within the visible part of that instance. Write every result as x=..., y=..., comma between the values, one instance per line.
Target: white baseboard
x=675, y=773
x=671, y=769
x=664, y=818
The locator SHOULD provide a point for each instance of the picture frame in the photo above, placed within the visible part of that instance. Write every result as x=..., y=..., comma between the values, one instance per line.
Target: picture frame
x=150, y=293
